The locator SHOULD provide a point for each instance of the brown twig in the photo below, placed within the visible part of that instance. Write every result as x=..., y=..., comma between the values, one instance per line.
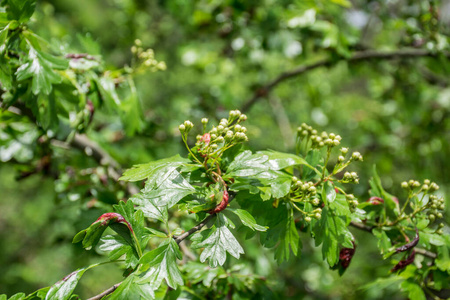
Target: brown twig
x=357, y=57
x=420, y=251
x=361, y=226
x=196, y=228
x=106, y=292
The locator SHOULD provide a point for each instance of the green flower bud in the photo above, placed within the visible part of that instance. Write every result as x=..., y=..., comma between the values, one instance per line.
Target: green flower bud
x=332, y=136
x=432, y=217
x=341, y=159
x=308, y=219
x=439, y=215
x=440, y=231
x=338, y=137
x=220, y=139
x=242, y=118
x=243, y=129
x=205, y=121
x=441, y=207
x=427, y=181
x=229, y=135
x=344, y=151
x=182, y=128
x=316, y=202
x=356, y=156
x=405, y=185
x=237, y=128
x=318, y=216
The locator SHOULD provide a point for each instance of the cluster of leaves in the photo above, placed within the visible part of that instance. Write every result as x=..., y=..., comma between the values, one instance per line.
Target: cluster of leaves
x=58, y=89
x=258, y=186
x=276, y=194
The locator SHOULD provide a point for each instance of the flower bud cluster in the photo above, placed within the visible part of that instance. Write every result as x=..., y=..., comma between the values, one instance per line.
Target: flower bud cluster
x=356, y=156
x=318, y=141
x=228, y=132
x=306, y=189
x=440, y=230
x=427, y=185
x=146, y=58
x=315, y=214
x=352, y=201
x=237, y=115
x=436, y=206
x=186, y=127
x=350, y=177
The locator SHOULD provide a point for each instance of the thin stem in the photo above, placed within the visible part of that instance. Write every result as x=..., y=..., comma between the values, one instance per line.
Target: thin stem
x=138, y=246
x=296, y=207
x=265, y=90
x=183, y=137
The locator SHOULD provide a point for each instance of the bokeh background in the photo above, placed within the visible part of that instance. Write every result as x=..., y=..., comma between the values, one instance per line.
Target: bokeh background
x=219, y=54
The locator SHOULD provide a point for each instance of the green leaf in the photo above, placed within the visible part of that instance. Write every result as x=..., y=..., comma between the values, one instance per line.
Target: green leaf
x=114, y=245
x=64, y=288
x=93, y=233
x=108, y=93
x=392, y=206
x=168, y=193
x=157, y=170
x=18, y=296
x=332, y=232
x=247, y=164
x=47, y=115
x=443, y=259
x=198, y=272
x=279, y=160
x=314, y=159
x=247, y=219
x=328, y=193
x=136, y=220
x=414, y=290
x=161, y=264
x=147, y=203
x=131, y=110
x=289, y=239
x=40, y=68
x=130, y=289
x=216, y=241
x=21, y=10
x=3, y=37
x=384, y=243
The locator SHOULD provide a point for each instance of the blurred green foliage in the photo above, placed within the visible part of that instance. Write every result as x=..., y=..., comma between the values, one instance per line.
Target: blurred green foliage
x=218, y=55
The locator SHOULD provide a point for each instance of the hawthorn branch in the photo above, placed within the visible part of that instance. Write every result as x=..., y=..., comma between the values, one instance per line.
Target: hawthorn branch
x=91, y=148
x=196, y=228
x=106, y=292
x=421, y=251
x=357, y=57
x=361, y=226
